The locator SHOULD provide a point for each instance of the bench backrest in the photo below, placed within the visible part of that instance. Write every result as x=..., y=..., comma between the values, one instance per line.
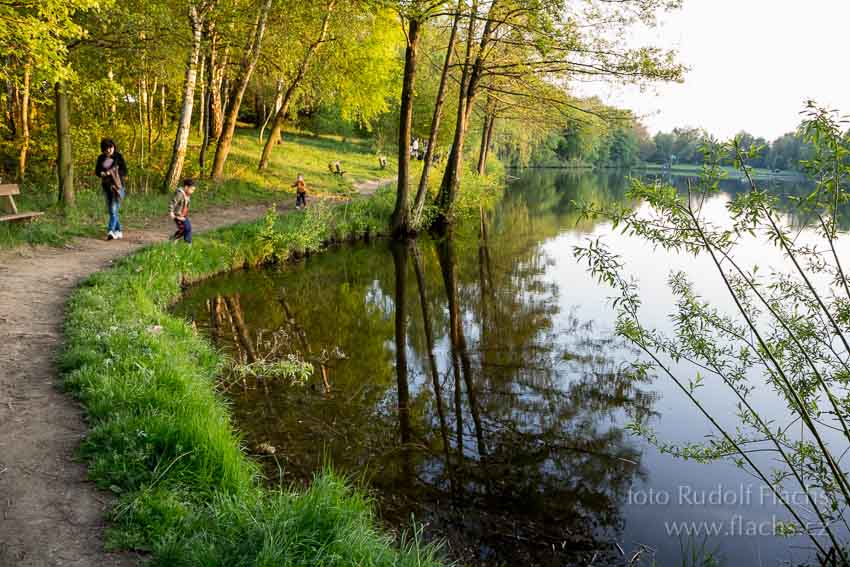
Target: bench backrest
x=6, y=190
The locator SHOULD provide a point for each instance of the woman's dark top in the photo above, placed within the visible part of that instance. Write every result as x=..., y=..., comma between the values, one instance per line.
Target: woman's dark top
x=117, y=161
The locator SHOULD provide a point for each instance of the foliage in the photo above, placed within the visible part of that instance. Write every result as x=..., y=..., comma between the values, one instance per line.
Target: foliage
x=290, y=369
x=784, y=331
x=300, y=154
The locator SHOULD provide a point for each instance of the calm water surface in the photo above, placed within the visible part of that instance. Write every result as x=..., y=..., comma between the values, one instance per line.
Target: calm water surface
x=475, y=385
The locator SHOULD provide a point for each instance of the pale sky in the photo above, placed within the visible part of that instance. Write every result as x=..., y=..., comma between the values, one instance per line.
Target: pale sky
x=752, y=63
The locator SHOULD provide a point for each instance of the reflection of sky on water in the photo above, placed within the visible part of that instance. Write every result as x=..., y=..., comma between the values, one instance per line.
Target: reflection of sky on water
x=532, y=386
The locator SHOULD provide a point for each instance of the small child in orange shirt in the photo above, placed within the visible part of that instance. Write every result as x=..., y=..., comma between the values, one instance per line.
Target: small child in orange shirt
x=300, y=192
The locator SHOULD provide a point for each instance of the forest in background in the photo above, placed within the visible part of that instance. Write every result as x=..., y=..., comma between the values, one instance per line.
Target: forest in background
x=171, y=80
x=623, y=141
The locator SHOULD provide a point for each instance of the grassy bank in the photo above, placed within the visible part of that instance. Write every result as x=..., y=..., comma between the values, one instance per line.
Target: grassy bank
x=160, y=435
x=299, y=153
x=731, y=172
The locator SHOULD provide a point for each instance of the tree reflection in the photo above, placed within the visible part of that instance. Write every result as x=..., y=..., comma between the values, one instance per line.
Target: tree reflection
x=474, y=401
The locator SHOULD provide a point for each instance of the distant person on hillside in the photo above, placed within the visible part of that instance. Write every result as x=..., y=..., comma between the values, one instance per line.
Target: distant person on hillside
x=179, y=211
x=382, y=161
x=300, y=192
x=414, y=148
x=112, y=170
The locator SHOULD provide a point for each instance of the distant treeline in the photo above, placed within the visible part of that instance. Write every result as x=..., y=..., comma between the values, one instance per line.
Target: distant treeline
x=627, y=143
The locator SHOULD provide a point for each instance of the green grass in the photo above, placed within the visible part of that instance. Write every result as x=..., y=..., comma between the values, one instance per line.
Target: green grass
x=160, y=434
x=300, y=153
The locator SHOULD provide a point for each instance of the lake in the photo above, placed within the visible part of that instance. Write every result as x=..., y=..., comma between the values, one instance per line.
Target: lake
x=474, y=386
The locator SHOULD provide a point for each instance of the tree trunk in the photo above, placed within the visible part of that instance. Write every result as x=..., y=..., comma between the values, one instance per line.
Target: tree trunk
x=113, y=106
x=400, y=254
x=10, y=102
x=141, y=105
x=208, y=120
x=249, y=63
x=432, y=359
x=162, y=110
x=278, y=103
x=399, y=223
x=280, y=116
x=422, y=191
x=468, y=90
x=24, y=122
x=64, y=158
x=149, y=105
x=181, y=140
x=218, y=62
x=202, y=97
x=486, y=135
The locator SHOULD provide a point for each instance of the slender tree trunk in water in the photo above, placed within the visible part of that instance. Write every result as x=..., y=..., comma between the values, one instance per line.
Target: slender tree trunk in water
x=432, y=359
x=422, y=191
x=24, y=121
x=448, y=265
x=243, y=335
x=399, y=251
x=399, y=222
x=249, y=63
x=486, y=134
x=181, y=140
x=64, y=158
x=280, y=115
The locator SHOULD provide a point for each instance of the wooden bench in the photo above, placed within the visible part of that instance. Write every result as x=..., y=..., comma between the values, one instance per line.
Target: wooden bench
x=6, y=191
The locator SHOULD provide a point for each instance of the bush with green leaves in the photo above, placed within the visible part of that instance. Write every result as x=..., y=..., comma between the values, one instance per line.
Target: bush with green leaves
x=786, y=333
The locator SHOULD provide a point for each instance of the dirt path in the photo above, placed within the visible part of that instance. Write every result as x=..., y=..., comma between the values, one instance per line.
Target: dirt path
x=49, y=514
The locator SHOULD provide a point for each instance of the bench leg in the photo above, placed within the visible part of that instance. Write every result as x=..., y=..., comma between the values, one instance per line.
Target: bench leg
x=10, y=205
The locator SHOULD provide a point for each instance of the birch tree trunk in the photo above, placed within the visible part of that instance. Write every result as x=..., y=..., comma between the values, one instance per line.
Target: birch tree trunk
x=202, y=97
x=181, y=140
x=218, y=62
x=249, y=63
x=399, y=222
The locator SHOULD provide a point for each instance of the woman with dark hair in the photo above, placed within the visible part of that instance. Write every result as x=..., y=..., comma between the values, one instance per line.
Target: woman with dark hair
x=112, y=170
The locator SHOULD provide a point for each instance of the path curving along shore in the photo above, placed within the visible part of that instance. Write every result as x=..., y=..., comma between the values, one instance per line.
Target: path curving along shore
x=49, y=514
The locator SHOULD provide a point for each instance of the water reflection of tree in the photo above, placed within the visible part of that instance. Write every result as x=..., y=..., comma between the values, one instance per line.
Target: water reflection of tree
x=532, y=466
x=469, y=399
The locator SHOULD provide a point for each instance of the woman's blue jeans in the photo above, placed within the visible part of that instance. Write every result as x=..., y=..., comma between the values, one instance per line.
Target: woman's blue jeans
x=112, y=205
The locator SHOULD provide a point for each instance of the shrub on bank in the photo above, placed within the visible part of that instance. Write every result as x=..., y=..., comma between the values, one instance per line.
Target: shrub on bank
x=160, y=435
